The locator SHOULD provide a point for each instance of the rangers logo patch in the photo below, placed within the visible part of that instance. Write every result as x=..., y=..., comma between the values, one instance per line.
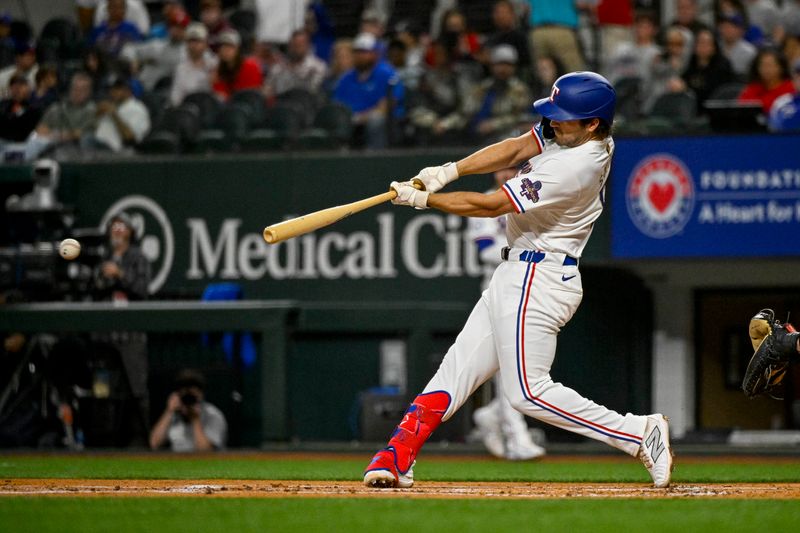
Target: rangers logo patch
x=530, y=190
x=660, y=196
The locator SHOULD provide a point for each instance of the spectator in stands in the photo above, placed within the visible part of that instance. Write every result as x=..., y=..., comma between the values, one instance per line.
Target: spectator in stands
x=688, y=16
x=548, y=70
x=216, y=23
x=764, y=15
x=301, y=70
x=45, y=91
x=122, y=276
x=95, y=65
x=234, y=71
x=372, y=91
x=396, y=55
x=189, y=423
x=135, y=13
x=319, y=26
x=24, y=63
x=277, y=20
x=769, y=79
x=440, y=92
x=615, y=20
x=195, y=71
x=111, y=35
x=462, y=44
x=496, y=106
x=635, y=59
x=666, y=71
x=157, y=59
x=554, y=32
x=739, y=52
x=65, y=123
x=708, y=69
x=160, y=30
x=789, y=22
x=374, y=21
x=122, y=120
x=341, y=63
x=409, y=34
x=785, y=113
x=507, y=31
x=18, y=117
x=730, y=8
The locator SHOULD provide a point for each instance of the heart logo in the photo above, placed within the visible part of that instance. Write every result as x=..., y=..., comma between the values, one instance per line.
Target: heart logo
x=661, y=195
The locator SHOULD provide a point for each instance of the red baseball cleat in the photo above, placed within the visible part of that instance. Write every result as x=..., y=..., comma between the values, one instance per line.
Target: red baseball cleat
x=382, y=472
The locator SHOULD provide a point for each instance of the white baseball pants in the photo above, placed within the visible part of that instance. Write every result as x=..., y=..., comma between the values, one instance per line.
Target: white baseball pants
x=513, y=329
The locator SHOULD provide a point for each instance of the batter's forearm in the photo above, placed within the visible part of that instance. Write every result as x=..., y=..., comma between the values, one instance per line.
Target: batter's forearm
x=469, y=204
x=503, y=154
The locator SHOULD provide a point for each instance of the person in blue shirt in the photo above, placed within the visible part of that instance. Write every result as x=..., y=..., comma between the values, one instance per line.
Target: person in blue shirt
x=110, y=36
x=373, y=92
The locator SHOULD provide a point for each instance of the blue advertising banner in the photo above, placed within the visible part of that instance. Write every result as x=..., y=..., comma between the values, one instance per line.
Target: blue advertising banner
x=706, y=197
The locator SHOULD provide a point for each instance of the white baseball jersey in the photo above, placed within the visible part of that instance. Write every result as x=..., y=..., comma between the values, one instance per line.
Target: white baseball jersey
x=558, y=195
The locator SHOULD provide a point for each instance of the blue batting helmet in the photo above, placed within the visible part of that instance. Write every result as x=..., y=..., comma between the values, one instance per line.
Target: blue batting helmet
x=579, y=95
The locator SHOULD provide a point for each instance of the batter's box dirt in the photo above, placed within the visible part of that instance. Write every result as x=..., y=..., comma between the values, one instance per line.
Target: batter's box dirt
x=354, y=489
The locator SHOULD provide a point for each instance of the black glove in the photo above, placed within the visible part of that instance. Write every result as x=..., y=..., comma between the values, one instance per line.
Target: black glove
x=774, y=344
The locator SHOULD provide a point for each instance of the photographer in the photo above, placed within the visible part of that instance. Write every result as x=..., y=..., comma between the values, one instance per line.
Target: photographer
x=189, y=423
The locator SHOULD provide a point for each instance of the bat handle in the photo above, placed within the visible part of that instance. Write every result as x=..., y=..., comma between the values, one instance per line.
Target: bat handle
x=416, y=183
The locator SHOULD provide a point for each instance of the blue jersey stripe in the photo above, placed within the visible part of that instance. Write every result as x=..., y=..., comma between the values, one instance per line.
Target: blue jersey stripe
x=518, y=204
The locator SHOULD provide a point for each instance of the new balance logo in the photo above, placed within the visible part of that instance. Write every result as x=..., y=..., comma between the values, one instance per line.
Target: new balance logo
x=655, y=444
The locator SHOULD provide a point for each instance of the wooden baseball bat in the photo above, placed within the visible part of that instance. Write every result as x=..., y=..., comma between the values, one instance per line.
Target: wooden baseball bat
x=295, y=227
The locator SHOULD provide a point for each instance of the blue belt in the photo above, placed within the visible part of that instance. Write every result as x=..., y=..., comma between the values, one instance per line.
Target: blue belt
x=532, y=256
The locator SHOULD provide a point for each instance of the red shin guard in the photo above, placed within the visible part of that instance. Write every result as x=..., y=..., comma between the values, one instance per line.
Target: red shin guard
x=421, y=419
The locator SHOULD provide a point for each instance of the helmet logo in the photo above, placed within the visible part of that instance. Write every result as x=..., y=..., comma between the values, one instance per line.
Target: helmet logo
x=554, y=93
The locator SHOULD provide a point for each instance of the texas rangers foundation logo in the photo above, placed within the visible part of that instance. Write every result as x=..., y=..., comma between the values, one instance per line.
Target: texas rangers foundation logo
x=530, y=190
x=153, y=231
x=660, y=196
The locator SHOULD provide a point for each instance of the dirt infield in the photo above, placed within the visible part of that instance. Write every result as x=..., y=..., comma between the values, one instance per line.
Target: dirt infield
x=353, y=489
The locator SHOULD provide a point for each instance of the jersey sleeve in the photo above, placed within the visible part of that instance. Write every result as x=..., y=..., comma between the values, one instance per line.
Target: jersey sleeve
x=551, y=184
x=538, y=136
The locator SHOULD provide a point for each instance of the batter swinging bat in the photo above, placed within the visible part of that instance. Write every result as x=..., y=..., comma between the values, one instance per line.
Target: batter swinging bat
x=319, y=219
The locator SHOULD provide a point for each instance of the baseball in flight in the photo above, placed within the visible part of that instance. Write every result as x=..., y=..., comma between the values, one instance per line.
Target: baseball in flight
x=69, y=249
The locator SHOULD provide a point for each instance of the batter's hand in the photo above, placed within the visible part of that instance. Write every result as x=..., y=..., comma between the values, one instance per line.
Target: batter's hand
x=434, y=178
x=408, y=195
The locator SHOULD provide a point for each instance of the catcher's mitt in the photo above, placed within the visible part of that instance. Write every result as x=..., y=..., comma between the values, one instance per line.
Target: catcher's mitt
x=774, y=343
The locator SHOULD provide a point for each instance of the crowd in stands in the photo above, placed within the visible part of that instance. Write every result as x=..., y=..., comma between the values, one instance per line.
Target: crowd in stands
x=259, y=75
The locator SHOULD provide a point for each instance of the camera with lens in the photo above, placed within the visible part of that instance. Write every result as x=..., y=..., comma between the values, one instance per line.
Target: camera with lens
x=189, y=399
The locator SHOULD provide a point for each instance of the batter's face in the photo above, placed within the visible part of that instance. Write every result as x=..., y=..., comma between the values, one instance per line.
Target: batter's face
x=571, y=133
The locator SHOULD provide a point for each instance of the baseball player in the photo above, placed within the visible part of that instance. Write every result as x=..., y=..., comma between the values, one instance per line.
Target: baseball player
x=550, y=207
x=502, y=428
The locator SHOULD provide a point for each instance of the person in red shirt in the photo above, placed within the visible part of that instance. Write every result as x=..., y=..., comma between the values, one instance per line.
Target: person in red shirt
x=769, y=79
x=462, y=44
x=235, y=72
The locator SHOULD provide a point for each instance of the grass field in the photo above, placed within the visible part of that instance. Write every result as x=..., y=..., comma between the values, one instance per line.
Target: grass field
x=391, y=510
